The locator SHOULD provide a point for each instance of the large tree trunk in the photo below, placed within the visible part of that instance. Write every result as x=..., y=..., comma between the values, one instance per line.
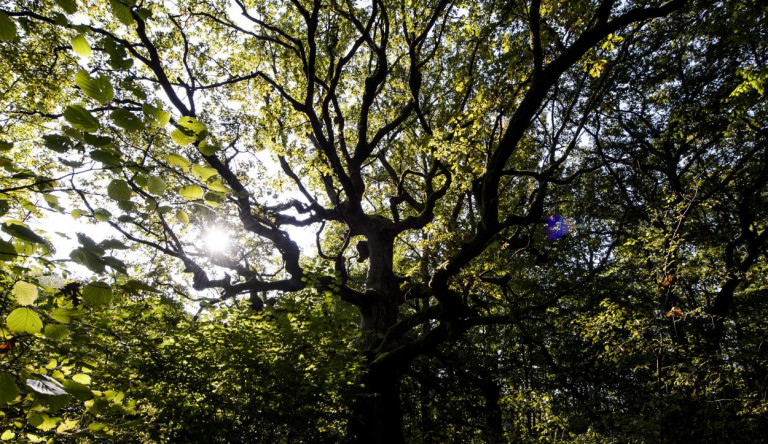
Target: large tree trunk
x=377, y=413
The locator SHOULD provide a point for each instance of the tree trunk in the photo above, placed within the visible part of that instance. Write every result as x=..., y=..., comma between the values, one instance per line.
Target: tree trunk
x=377, y=413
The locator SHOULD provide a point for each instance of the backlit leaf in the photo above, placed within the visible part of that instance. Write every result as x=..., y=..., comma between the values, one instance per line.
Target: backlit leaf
x=97, y=293
x=81, y=46
x=191, y=192
x=25, y=293
x=81, y=119
x=24, y=320
x=98, y=88
x=119, y=190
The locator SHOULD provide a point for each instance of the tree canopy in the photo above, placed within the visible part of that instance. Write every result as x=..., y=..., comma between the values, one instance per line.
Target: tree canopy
x=383, y=221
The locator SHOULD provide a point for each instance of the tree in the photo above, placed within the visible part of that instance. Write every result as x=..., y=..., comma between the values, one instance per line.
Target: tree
x=480, y=177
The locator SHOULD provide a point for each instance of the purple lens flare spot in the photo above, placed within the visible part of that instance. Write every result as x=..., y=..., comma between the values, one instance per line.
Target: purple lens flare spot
x=557, y=227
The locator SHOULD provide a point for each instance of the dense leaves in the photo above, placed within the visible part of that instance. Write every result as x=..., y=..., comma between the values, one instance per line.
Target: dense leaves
x=384, y=221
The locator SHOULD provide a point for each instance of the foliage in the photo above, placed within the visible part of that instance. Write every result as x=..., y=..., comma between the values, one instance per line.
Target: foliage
x=442, y=220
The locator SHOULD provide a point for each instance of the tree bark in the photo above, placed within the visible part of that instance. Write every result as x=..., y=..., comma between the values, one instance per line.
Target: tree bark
x=377, y=412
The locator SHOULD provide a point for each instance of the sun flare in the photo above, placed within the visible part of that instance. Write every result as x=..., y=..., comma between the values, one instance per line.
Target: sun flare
x=216, y=240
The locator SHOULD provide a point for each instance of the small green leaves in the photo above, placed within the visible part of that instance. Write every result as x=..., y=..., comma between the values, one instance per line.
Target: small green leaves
x=69, y=6
x=119, y=190
x=155, y=115
x=24, y=320
x=25, y=293
x=191, y=192
x=126, y=120
x=8, y=388
x=98, y=88
x=81, y=119
x=177, y=160
x=97, y=293
x=81, y=46
x=7, y=28
x=156, y=185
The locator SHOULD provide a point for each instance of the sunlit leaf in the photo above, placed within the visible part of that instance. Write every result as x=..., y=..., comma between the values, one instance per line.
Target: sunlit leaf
x=177, y=160
x=49, y=387
x=25, y=293
x=191, y=192
x=24, y=320
x=81, y=46
x=98, y=88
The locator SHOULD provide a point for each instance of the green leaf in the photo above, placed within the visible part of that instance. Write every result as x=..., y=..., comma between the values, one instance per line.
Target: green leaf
x=182, y=217
x=207, y=148
x=126, y=120
x=122, y=12
x=81, y=46
x=177, y=160
x=8, y=435
x=105, y=157
x=119, y=190
x=98, y=141
x=97, y=293
x=136, y=287
x=64, y=315
x=8, y=389
x=192, y=124
x=98, y=89
x=24, y=320
x=191, y=192
x=21, y=231
x=5, y=145
x=79, y=391
x=182, y=137
x=57, y=142
x=82, y=378
x=203, y=172
x=50, y=387
x=156, y=185
x=69, y=6
x=57, y=332
x=7, y=28
x=155, y=115
x=81, y=119
x=7, y=251
x=25, y=293
x=88, y=259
